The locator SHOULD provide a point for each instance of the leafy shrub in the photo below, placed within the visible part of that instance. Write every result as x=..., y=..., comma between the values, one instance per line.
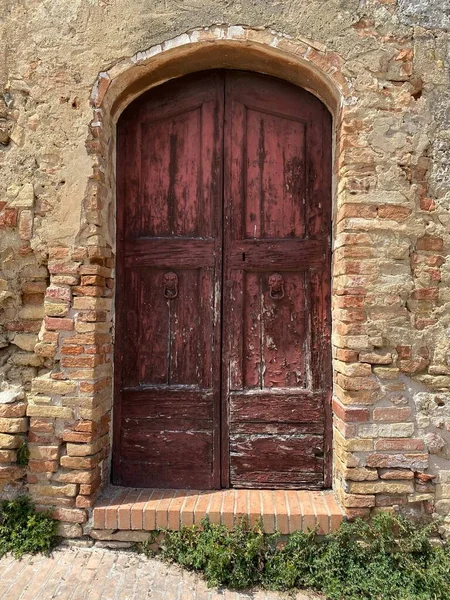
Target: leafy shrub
x=23, y=530
x=233, y=558
x=386, y=558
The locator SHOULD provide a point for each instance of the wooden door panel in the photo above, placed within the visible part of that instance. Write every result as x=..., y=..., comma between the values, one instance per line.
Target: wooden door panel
x=276, y=406
x=161, y=403
x=276, y=293
x=277, y=254
x=275, y=333
x=184, y=253
x=169, y=301
x=267, y=460
x=169, y=331
x=172, y=155
x=275, y=176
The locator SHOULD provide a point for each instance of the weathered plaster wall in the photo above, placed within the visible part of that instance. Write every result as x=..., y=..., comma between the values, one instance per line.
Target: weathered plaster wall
x=389, y=62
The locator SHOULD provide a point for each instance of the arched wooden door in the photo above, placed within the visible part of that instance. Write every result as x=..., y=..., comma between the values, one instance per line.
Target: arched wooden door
x=222, y=351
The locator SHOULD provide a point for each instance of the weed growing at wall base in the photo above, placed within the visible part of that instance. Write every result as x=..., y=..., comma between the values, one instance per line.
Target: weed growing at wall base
x=23, y=530
x=386, y=558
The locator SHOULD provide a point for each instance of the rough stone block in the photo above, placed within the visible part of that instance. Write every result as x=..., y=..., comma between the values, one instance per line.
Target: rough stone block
x=44, y=452
x=382, y=487
x=70, y=515
x=395, y=430
x=13, y=425
x=10, y=441
x=59, y=412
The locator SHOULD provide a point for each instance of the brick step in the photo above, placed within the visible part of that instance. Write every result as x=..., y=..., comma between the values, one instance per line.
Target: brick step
x=129, y=509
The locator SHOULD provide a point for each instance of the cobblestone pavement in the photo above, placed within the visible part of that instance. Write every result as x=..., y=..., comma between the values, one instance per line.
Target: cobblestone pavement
x=102, y=574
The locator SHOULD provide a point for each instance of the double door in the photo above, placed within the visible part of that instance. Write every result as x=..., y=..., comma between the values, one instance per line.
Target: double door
x=222, y=349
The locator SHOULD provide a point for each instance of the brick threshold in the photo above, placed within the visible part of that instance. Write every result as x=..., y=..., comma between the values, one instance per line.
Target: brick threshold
x=130, y=509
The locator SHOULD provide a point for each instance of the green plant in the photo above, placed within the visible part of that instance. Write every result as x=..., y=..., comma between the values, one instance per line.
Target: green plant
x=23, y=454
x=233, y=558
x=23, y=530
x=149, y=547
x=385, y=558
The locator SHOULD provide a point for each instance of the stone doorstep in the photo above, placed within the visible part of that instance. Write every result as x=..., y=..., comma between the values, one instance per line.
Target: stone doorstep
x=129, y=509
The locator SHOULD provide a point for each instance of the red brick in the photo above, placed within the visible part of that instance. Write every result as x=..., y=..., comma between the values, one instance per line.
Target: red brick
x=422, y=323
x=87, y=489
x=350, y=414
x=88, y=290
x=187, y=512
x=398, y=461
x=281, y=511
x=215, y=508
x=72, y=350
x=173, y=512
x=358, y=501
x=13, y=410
x=268, y=511
x=42, y=425
x=348, y=301
x=43, y=466
x=201, y=507
x=77, y=437
x=399, y=444
x=430, y=243
x=362, y=211
x=26, y=225
x=58, y=324
x=61, y=293
x=404, y=352
x=86, y=501
x=92, y=316
x=356, y=383
x=413, y=366
x=425, y=294
x=346, y=355
x=392, y=415
x=92, y=280
x=396, y=213
x=58, y=253
x=81, y=361
x=427, y=204
x=27, y=326
x=8, y=217
x=69, y=268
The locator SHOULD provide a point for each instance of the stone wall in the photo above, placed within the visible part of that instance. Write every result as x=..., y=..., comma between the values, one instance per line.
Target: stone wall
x=67, y=71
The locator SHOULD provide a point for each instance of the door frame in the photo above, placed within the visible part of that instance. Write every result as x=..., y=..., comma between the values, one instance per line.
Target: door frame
x=256, y=50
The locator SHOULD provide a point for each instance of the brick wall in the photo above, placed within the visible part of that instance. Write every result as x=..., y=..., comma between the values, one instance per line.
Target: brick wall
x=380, y=76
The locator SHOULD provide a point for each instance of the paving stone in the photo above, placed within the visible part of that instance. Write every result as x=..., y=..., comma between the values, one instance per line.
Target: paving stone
x=102, y=574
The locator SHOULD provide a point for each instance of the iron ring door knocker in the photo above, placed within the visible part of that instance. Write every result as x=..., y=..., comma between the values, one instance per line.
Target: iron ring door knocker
x=276, y=286
x=170, y=285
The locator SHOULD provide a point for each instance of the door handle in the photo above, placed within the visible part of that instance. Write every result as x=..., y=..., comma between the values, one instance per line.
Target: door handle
x=276, y=286
x=170, y=282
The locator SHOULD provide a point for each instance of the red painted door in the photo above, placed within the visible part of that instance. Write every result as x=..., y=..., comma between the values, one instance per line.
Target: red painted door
x=169, y=252
x=277, y=285
x=222, y=344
